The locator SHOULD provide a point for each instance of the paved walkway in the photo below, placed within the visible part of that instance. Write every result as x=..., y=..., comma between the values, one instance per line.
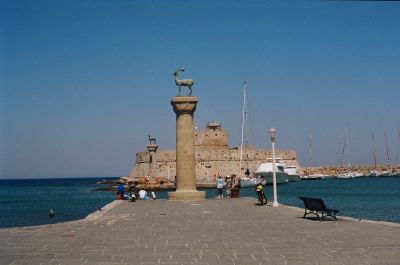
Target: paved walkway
x=228, y=231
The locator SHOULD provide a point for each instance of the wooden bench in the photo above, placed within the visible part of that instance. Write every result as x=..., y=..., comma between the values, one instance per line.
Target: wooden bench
x=317, y=206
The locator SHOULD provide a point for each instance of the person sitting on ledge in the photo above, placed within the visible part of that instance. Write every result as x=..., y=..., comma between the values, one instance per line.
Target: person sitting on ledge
x=143, y=195
x=261, y=195
x=120, y=192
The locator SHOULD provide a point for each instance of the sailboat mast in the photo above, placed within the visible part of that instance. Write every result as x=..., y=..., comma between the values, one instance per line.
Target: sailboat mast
x=344, y=148
x=373, y=145
x=311, y=162
x=387, y=149
x=243, y=124
x=398, y=146
x=348, y=149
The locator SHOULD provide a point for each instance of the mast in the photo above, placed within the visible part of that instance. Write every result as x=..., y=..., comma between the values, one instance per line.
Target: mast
x=387, y=149
x=244, y=114
x=398, y=146
x=348, y=149
x=344, y=149
x=373, y=145
x=338, y=154
x=309, y=140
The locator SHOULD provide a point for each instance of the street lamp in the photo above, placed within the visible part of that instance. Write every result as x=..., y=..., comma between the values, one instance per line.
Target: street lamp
x=272, y=135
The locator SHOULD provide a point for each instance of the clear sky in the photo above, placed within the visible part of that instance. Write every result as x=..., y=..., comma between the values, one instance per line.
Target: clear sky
x=84, y=82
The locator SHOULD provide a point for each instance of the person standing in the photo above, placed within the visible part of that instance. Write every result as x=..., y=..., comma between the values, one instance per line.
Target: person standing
x=228, y=186
x=220, y=186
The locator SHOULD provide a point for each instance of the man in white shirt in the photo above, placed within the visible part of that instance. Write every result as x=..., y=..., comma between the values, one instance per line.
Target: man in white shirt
x=142, y=194
x=220, y=185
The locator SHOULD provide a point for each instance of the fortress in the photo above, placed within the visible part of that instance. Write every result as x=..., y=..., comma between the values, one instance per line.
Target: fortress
x=213, y=157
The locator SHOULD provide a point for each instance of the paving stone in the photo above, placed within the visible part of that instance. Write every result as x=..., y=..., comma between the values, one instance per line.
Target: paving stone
x=208, y=232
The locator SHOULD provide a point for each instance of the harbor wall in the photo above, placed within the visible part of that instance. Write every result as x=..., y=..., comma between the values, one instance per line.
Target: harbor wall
x=336, y=170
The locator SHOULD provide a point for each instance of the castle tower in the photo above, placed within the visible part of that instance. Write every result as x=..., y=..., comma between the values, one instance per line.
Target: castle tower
x=184, y=107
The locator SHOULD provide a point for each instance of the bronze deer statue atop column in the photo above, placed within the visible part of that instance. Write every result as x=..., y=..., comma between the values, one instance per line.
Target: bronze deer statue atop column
x=184, y=82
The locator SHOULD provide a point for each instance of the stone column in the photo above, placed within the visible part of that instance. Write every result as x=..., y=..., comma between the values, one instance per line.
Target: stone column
x=152, y=148
x=184, y=107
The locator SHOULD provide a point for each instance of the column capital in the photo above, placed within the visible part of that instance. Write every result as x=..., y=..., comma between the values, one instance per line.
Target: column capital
x=184, y=105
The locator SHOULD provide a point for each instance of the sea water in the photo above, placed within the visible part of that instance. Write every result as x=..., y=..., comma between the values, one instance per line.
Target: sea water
x=373, y=198
x=27, y=202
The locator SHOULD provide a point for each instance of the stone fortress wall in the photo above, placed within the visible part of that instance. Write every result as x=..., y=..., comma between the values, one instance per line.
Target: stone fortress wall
x=213, y=157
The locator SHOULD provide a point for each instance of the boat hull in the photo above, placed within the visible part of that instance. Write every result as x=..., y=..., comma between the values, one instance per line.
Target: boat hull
x=249, y=182
x=281, y=178
x=293, y=178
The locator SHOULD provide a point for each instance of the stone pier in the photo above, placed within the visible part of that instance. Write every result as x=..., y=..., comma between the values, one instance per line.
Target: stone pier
x=184, y=107
x=207, y=232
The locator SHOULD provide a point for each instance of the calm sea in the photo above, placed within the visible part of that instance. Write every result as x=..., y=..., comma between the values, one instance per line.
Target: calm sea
x=27, y=202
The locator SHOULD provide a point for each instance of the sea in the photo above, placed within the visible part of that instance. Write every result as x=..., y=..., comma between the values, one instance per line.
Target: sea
x=27, y=202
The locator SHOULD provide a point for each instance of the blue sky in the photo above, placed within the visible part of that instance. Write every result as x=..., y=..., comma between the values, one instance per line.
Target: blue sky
x=84, y=82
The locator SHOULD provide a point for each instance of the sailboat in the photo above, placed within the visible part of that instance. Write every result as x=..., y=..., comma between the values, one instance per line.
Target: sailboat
x=347, y=174
x=374, y=173
x=386, y=173
x=308, y=176
x=246, y=181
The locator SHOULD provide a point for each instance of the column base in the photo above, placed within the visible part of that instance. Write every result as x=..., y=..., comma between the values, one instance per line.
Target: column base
x=186, y=195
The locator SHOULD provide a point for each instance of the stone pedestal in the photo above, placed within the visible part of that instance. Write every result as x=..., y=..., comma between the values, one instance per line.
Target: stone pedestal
x=184, y=107
x=152, y=148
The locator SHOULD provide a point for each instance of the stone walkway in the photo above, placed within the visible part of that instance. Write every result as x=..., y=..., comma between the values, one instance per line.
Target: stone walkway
x=228, y=231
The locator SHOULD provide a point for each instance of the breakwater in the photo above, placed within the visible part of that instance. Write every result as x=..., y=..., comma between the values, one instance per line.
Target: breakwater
x=363, y=169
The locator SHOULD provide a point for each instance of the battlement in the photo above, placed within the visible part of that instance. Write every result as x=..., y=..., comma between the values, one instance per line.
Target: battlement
x=213, y=136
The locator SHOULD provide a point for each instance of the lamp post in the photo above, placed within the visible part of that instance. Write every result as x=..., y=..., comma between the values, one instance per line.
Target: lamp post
x=272, y=135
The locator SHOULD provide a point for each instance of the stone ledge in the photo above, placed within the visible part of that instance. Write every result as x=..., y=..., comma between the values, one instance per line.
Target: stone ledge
x=186, y=195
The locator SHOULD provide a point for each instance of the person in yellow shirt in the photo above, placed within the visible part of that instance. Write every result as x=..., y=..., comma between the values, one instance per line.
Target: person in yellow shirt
x=261, y=194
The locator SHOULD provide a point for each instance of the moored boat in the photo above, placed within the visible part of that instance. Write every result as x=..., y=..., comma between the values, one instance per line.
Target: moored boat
x=293, y=173
x=347, y=175
x=265, y=170
x=249, y=182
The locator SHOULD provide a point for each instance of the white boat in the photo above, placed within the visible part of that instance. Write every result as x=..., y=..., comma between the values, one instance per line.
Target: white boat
x=348, y=175
x=386, y=173
x=293, y=173
x=313, y=177
x=265, y=170
x=249, y=182
x=374, y=173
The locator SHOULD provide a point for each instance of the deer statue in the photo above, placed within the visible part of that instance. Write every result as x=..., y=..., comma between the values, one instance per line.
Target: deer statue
x=184, y=82
x=152, y=140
